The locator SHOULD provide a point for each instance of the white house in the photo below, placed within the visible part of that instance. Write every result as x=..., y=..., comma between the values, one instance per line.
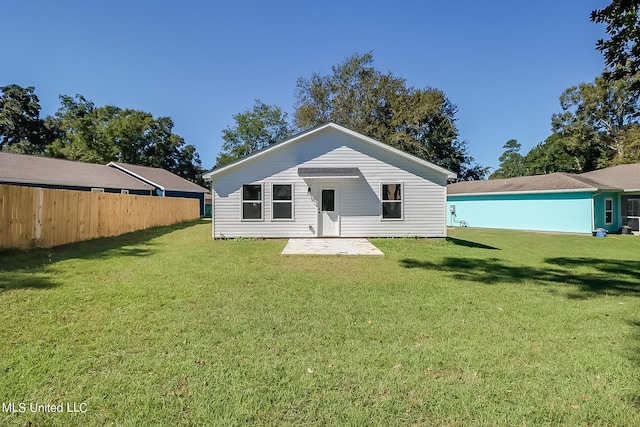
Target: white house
x=329, y=181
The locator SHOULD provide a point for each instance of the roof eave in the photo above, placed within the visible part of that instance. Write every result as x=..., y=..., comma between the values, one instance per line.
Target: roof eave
x=502, y=193
x=448, y=173
x=141, y=178
x=71, y=184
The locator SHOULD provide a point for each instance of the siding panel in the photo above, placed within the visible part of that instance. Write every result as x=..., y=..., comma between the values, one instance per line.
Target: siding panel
x=358, y=199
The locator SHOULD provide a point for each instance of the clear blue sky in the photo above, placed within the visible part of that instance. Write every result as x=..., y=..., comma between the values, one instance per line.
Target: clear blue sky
x=503, y=63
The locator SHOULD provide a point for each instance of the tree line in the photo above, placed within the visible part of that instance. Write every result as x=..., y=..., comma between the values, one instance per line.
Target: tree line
x=599, y=122
x=81, y=131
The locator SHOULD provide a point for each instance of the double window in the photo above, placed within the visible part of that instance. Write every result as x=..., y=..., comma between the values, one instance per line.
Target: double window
x=392, y=201
x=252, y=202
x=282, y=200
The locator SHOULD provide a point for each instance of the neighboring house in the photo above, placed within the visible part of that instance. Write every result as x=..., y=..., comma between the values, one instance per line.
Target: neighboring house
x=607, y=198
x=165, y=183
x=329, y=181
x=48, y=172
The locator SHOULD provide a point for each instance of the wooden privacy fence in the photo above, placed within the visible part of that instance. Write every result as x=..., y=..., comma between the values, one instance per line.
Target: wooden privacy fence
x=37, y=217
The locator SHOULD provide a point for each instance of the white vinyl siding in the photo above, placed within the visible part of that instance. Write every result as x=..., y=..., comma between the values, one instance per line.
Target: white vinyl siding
x=358, y=199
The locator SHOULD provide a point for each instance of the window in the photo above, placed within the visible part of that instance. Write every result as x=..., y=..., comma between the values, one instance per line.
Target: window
x=329, y=200
x=252, y=202
x=633, y=207
x=608, y=211
x=124, y=191
x=391, y=201
x=282, y=195
x=97, y=190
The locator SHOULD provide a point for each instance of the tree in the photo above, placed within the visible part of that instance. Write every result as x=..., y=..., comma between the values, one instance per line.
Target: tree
x=105, y=134
x=595, y=121
x=255, y=129
x=21, y=128
x=359, y=97
x=550, y=156
x=511, y=162
x=622, y=51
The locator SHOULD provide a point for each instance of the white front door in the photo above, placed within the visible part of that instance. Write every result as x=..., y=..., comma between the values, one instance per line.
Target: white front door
x=329, y=219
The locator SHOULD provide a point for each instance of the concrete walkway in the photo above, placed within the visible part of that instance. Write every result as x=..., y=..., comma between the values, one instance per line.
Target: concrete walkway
x=337, y=246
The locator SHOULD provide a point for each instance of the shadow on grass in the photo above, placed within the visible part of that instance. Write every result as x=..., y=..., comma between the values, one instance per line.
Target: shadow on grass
x=620, y=277
x=469, y=244
x=27, y=269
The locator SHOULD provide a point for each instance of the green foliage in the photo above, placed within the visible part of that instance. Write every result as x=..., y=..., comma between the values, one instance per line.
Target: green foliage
x=21, y=128
x=255, y=129
x=622, y=51
x=595, y=120
x=104, y=134
x=511, y=162
x=550, y=156
x=166, y=327
x=359, y=97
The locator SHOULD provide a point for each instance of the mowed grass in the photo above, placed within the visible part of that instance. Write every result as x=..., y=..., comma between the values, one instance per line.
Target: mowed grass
x=168, y=327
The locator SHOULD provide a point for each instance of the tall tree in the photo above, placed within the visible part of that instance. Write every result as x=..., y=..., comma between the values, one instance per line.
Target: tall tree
x=595, y=120
x=21, y=128
x=255, y=129
x=359, y=97
x=622, y=50
x=104, y=134
x=550, y=156
x=511, y=162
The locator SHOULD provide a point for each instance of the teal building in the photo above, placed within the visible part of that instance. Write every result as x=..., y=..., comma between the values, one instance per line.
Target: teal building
x=558, y=202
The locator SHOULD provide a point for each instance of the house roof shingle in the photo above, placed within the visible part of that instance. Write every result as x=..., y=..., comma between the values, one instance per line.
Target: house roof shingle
x=26, y=169
x=616, y=178
x=159, y=177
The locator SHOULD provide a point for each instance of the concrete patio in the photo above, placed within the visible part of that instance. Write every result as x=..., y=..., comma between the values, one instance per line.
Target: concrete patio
x=337, y=246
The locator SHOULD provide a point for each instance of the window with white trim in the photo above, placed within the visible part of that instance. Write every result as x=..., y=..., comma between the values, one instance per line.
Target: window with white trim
x=252, y=202
x=392, y=201
x=282, y=201
x=608, y=211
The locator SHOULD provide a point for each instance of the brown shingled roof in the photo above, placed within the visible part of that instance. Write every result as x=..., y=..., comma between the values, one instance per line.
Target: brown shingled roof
x=159, y=177
x=626, y=177
x=616, y=178
x=37, y=170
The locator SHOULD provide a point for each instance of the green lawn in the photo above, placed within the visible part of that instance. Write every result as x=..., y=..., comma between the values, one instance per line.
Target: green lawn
x=168, y=327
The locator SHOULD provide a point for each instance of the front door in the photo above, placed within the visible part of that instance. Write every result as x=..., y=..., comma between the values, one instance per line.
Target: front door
x=329, y=220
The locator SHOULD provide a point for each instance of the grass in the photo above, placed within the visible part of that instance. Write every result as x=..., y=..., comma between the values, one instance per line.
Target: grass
x=167, y=327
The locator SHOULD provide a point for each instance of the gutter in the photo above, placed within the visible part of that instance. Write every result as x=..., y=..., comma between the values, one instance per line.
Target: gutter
x=502, y=193
x=68, y=184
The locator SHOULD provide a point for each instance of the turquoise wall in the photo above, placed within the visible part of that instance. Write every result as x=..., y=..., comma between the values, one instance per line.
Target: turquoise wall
x=565, y=212
x=599, y=211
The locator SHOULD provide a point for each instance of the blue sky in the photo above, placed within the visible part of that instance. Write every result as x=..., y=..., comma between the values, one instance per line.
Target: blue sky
x=503, y=63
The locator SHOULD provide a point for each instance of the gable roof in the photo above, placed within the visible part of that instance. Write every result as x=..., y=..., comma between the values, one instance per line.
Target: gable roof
x=293, y=139
x=625, y=177
x=157, y=177
x=616, y=178
x=26, y=169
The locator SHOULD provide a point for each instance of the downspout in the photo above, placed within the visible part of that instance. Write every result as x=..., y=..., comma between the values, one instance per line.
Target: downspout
x=213, y=210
